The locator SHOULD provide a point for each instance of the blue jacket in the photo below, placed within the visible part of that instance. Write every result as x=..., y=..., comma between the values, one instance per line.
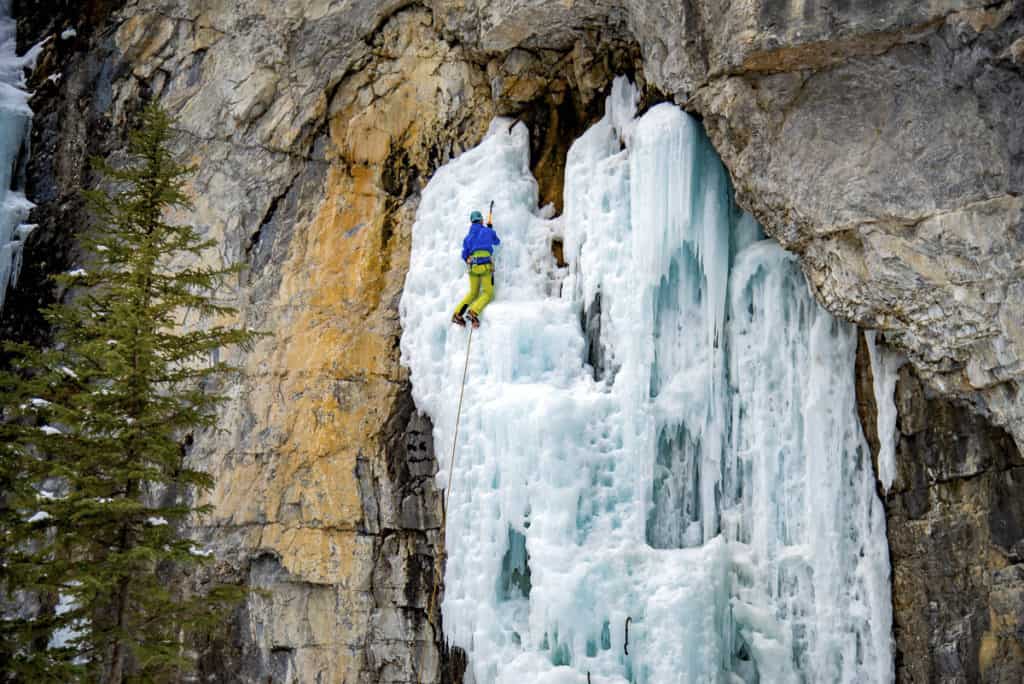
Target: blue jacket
x=480, y=237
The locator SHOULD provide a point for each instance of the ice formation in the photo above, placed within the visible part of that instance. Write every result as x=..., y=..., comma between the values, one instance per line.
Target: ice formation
x=15, y=118
x=885, y=365
x=693, y=463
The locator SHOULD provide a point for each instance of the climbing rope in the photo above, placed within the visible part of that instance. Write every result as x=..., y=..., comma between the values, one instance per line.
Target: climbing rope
x=445, y=498
x=455, y=438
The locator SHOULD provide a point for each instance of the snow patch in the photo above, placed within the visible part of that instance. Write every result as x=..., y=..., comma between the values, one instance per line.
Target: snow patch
x=63, y=636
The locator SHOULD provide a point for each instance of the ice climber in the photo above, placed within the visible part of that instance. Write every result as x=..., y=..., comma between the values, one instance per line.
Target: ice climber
x=478, y=253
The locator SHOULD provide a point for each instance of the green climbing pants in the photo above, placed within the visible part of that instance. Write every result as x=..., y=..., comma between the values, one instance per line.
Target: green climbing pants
x=481, y=289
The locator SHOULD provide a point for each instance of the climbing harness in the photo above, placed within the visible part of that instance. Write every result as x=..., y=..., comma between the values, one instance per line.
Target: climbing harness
x=490, y=224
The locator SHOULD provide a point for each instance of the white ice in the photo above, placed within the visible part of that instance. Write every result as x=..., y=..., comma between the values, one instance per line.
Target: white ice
x=15, y=119
x=885, y=366
x=709, y=481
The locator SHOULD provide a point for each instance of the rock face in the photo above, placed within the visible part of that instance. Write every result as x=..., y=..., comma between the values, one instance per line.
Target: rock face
x=325, y=494
x=956, y=530
x=70, y=124
x=896, y=175
x=956, y=537
x=881, y=141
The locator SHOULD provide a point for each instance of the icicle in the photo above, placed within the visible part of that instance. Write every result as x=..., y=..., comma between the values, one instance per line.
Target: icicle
x=15, y=118
x=885, y=365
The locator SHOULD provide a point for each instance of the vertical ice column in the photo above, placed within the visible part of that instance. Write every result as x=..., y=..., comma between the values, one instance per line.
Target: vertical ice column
x=686, y=230
x=15, y=118
x=813, y=580
x=752, y=429
x=885, y=366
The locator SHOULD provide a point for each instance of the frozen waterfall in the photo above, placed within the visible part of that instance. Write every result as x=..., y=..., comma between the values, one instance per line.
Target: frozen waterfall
x=698, y=468
x=15, y=118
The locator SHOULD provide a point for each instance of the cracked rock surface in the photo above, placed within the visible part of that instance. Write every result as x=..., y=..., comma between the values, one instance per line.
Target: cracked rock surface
x=956, y=531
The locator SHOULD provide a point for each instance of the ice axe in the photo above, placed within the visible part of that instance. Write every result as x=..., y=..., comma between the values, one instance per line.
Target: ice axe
x=490, y=224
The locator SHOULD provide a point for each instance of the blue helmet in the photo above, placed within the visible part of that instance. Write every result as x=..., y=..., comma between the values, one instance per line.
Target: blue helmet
x=476, y=217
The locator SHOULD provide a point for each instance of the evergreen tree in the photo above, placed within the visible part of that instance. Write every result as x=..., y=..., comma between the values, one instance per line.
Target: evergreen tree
x=93, y=470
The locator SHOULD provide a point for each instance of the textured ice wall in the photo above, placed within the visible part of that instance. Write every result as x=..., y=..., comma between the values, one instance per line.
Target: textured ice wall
x=15, y=118
x=712, y=485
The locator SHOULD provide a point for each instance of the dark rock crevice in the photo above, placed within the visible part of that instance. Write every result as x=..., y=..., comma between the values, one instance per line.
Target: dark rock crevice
x=294, y=206
x=559, y=95
x=69, y=127
x=38, y=19
x=402, y=638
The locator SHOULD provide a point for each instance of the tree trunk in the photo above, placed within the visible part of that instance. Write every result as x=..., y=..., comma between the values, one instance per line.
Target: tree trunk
x=116, y=671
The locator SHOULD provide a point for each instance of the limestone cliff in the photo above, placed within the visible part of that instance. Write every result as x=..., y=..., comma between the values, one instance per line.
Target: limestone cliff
x=881, y=141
